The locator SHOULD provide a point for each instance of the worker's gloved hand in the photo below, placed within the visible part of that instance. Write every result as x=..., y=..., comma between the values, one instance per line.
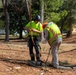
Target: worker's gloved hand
x=43, y=40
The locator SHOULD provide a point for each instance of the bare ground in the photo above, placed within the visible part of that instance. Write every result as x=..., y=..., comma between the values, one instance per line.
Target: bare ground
x=14, y=56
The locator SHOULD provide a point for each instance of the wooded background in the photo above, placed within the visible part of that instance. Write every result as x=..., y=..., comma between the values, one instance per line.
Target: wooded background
x=14, y=14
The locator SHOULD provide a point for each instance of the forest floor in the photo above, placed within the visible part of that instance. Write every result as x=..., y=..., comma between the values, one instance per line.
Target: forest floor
x=14, y=56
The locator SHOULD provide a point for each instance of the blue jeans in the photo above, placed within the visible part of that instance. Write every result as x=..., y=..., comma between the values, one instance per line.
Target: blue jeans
x=34, y=44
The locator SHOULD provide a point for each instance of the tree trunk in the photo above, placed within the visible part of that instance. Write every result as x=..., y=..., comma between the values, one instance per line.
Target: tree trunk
x=69, y=33
x=5, y=4
x=20, y=32
x=61, y=24
x=7, y=26
x=21, y=28
x=42, y=10
x=42, y=15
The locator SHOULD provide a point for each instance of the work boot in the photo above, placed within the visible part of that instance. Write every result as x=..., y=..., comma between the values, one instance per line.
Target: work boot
x=32, y=57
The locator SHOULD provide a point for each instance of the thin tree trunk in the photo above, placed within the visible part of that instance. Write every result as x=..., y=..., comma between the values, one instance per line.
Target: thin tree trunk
x=42, y=15
x=21, y=28
x=7, y=25
x=69, y=33
x=61, y=24
x=42, y=10
x=5, y=4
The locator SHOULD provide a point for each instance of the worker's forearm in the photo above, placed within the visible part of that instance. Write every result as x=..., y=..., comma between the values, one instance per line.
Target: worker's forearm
x=33, y=30
x=37, y=31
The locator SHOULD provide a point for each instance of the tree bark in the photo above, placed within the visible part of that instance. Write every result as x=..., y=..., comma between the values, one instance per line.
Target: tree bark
x=21, y=28
x=69, y=33
x=42, y=15
x=5, y=5
x=7, y=25
x=42, y=10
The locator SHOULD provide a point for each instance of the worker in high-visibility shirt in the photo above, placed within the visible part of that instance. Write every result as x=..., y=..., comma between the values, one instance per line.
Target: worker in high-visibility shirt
x=34, y=29
x=53, y=35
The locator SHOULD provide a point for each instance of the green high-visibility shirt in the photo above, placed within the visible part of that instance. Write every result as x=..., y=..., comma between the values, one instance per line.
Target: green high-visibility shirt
x=50, y=29
x=33, y=25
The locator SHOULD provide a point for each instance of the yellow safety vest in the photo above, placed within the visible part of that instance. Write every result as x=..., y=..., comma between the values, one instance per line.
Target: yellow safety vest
x=33, y=25
x=54, y=32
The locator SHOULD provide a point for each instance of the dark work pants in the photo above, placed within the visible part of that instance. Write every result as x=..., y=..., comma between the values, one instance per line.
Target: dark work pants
x=35, y=45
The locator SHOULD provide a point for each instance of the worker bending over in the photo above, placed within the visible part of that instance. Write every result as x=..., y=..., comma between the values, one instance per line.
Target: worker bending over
x=54, y=37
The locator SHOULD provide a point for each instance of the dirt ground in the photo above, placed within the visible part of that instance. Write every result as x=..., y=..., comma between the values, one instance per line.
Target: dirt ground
x=14, y=56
